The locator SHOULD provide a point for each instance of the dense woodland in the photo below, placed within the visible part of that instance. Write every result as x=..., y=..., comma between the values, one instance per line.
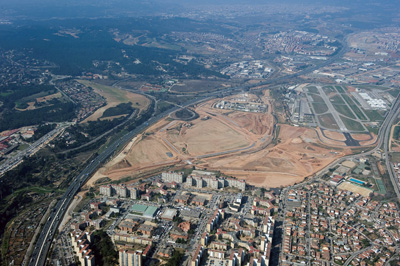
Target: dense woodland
x=103, y=249
x=96, y=44
x=120, y=109
x=62, y=111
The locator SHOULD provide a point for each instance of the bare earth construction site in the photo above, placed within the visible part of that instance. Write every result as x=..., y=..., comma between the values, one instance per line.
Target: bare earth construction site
x=238, y=136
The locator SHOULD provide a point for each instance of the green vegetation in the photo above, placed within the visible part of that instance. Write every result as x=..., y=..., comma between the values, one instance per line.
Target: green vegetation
x=18, y=96
x=344, y=110
x=80, y=134
x=329, y=89
x=5, y=242
x=340, y=89
x=336, y=99
x=10, y=96
x=328, y=121
x=389, y=186
x=56, y=113
x=395, y=262
x=312, y=89
x=380, y=186
x=353, y=106
x=394, y=92
x=175, y=259
x=163, y=106
x=120, y=109
x=76, y=55
x=395, y=156
x=396, y=133
x=316, y=98
x=103, y=249
x=320, y=108
x=42, y=130
x=373, y=129
x=186, y=114
x=352, y=125
x=117, y=94
x=374, y=115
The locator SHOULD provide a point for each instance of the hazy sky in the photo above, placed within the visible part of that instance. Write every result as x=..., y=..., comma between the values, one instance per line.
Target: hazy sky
x=102, y=8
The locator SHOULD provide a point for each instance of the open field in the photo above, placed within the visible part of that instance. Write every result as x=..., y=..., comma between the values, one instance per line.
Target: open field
x=148, y=151
x=352, y=125
x=346, y=106
x=329, y=89
x=320, y=108
x=233, y=142
x=312, y=89
x=374, y=115
x=114, y=97
x=355, y=188
x=196, y=140
x=340, y=89
x=353, y=106
x=317, y=99
x=196, y=86
x=336, y=99
x=42, y=97
x=290, y=161
x=328, y=121
x=335, y=135
x=344, y=110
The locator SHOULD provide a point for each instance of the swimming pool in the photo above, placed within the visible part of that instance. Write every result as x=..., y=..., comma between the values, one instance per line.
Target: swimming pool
x=357, y=181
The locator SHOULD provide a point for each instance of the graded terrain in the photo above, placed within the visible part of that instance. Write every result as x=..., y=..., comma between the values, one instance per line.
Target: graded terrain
x=237, y=143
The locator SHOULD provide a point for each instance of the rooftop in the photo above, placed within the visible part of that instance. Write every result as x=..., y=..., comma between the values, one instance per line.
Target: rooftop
x=139, y=208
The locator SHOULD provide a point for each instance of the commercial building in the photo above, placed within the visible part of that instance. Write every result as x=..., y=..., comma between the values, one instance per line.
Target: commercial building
x=144, y=211
x=168, y=214
x=190, y=214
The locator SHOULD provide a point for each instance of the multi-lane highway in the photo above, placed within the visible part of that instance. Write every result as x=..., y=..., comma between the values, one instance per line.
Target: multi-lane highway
x=390, y=118
x=13, y=161
x=42, y=246
x=44, y=241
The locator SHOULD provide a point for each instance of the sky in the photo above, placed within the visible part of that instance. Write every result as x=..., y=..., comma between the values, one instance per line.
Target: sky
x=102, y=8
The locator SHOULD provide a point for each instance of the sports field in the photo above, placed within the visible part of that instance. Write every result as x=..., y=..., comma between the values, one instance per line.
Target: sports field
x=365, y=192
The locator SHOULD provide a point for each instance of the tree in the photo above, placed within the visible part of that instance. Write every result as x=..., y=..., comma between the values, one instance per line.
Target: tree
x=103, y=249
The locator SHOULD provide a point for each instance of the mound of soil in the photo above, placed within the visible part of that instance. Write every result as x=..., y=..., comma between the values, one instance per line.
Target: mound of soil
x=185, y=114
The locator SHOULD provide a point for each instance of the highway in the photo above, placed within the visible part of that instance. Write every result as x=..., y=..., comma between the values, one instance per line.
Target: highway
x=42, y=246
x=43, y=243
x=13, y=161
x=393, y=114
